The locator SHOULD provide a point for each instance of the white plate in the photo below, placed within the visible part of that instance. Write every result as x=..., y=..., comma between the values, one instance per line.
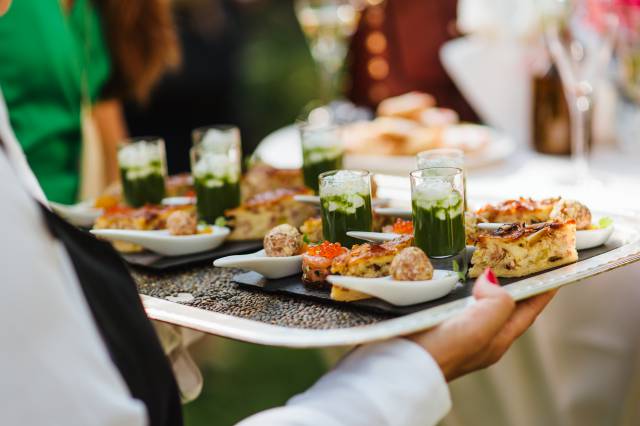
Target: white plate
x=166, y=244
x=374, y=237
x=401, y=293
x=269, y=267
x=281, y=149
x=585, y=239
x=81, y=214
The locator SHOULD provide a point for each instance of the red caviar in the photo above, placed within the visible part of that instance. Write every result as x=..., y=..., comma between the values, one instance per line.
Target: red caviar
x=403, y=227
x=326, y=249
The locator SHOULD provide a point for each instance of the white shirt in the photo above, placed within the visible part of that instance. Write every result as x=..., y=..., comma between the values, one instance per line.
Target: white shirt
x=55, y=368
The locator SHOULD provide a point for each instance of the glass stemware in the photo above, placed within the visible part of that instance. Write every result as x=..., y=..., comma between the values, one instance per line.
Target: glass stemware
x=581, y=54
x=328, y=25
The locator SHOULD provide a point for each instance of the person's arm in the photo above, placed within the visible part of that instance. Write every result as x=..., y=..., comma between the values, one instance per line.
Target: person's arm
x=403, y=381
x=55, y=367
x=109, y=119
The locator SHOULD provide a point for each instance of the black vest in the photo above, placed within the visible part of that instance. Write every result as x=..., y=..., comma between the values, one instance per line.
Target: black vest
x=118, y=312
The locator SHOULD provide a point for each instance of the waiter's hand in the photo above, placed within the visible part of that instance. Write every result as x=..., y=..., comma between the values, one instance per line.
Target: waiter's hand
x=480, y=335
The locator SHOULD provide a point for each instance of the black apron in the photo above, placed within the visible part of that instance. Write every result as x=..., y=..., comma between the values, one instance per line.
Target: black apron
x=118, y=312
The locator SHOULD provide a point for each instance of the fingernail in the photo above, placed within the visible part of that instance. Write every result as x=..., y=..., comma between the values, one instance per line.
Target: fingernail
x=491, y=276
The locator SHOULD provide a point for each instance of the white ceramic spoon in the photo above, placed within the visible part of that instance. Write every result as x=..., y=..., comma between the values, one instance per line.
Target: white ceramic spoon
x=393, y=212
x=585, y=239
x=81, y=214
x=400, y=293
x=315, y=200
x=269, y=267
x=178, y=201
x=166, y=244
x=373, y=237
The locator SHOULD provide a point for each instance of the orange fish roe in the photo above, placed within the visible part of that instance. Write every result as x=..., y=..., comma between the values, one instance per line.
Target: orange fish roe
x=403, y=227
x=326, y=249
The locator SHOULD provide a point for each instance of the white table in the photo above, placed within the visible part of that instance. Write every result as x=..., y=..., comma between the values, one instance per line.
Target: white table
x=580, y=362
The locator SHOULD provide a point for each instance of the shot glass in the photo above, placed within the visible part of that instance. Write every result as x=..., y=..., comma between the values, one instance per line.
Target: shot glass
x=345, y=200
x=322, y=151
x=444, y=157
x=437, y=198
x=143, y=169
x=216, y=158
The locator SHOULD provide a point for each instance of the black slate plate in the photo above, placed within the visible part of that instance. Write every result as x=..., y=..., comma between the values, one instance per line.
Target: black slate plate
x=158, y=262
x=294, y=286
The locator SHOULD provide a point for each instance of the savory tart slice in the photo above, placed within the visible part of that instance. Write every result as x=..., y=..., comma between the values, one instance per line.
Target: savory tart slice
x=517, y=250
x=256, y=216
x=370, y=260
x=522, y=210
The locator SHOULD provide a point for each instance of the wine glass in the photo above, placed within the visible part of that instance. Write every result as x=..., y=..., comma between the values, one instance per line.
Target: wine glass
x=581, y=53
x=328, y=25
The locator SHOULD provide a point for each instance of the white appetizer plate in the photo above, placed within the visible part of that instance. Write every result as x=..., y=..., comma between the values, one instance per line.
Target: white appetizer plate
x=81, y=214
x=166, y=244
x=269, y=267
x=401, y=293
x=585, y=239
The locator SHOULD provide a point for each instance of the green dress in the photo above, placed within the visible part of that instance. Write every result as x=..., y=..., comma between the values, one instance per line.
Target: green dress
x=50, y=61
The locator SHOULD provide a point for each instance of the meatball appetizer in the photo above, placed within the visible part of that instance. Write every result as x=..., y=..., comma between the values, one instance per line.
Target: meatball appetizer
x=411, y=264
x=182, y=223
x=283, y=241
x=565, y=210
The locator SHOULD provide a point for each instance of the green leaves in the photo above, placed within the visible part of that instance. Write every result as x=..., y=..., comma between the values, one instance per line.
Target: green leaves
x=605, y=222
x=221, y=221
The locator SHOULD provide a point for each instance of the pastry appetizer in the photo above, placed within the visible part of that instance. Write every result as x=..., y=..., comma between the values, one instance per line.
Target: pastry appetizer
x=516, y=250
x=409, y=105
x=312, y=229
x=411, y=264
x=256, y=216
x=262, y=178
x=283, y=241
x=438, y=117
x=370, y=260
x=522, y=210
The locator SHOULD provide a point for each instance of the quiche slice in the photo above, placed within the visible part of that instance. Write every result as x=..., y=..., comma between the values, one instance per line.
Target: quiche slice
x=517, y=250
x=262, y=212
x=522, y=210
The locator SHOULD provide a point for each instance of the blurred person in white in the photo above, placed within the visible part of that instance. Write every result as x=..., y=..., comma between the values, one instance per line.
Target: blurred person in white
x=580, y=363
x=78, y=349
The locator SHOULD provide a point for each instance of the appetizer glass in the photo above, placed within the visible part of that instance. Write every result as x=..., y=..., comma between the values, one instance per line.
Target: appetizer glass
x=143, y=170
x=216, y=167
x=345, y=200
x=444, y=157
x=322, y=151
x=437, y=198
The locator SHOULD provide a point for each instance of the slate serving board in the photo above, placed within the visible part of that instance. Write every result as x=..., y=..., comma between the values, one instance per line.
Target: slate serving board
x=294, y=286
x=159, y=263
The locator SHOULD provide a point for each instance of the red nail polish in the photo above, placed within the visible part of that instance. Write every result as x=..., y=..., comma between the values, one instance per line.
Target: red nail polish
x=491, y=276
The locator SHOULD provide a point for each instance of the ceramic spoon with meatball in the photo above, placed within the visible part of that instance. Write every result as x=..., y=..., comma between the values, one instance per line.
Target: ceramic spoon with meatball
x=412, y=280
x=183, y=236
x=281, y=256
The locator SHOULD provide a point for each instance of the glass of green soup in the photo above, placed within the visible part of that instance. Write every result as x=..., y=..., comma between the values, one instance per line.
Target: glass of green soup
x=444, y=157
x=322, y=151
x=437, y=196
x=345, y=201
x=143, y=169
x=216, y=158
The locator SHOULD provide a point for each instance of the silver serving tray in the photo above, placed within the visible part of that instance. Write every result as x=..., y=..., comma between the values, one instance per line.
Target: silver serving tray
x=627, y=230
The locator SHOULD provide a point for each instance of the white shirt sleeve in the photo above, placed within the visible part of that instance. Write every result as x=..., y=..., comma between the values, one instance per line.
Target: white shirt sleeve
x=389, y=383
x=55, y=368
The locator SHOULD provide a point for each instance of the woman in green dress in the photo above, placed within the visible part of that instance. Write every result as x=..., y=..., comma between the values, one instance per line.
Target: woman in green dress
x=59, y=56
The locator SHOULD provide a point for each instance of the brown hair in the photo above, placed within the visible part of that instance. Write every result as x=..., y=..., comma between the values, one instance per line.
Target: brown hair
x=143, y=44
